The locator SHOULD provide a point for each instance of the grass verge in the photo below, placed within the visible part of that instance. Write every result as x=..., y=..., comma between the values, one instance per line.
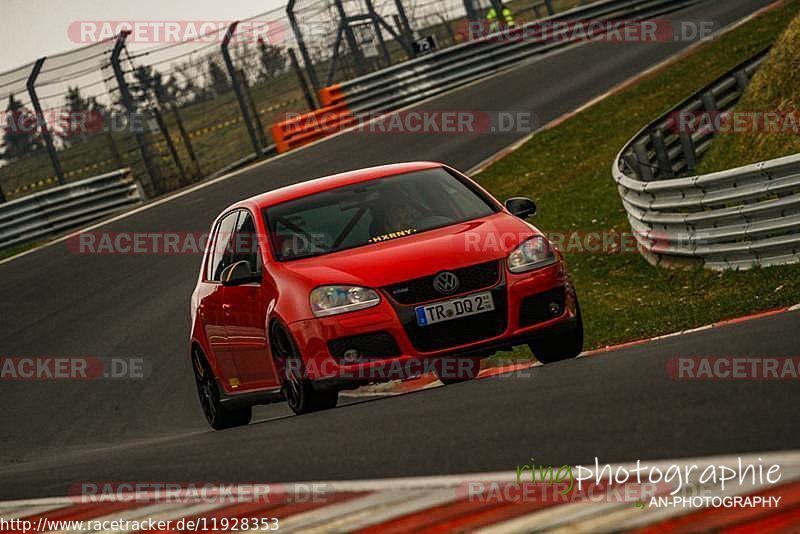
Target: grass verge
x=567, y=171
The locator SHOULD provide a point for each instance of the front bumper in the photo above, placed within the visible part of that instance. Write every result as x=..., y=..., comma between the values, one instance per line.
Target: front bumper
x=517, y=320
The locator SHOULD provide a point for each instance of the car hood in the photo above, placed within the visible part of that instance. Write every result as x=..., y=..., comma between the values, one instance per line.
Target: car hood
x=415, y=256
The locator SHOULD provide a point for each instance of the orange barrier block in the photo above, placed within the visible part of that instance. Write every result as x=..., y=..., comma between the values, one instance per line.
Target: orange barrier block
x=331, y=96
x=297, y=131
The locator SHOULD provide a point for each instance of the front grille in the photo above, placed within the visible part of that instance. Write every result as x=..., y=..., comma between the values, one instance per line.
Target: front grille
x=536, y=309
x=374, y=345
x=460, y=331
x=471, y=278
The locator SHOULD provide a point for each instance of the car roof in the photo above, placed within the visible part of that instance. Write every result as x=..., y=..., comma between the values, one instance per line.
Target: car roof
x=327, y=183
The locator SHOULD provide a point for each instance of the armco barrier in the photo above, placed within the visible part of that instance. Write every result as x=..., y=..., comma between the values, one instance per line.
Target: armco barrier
x=67, y=206
x=413, y=81
x=733, y=219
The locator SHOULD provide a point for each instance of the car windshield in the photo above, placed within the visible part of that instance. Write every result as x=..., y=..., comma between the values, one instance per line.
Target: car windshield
x=372, y=212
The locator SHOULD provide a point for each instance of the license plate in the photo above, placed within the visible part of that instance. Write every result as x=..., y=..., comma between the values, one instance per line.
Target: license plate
x=454, y=309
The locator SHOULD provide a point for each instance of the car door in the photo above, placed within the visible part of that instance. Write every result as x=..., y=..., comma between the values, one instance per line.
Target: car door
x=245, y=310
x=211, y=301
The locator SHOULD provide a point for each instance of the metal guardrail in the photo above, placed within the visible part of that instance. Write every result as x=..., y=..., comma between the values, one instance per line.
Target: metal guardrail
x=415, y=80
x=734, y=219
x=67, y=206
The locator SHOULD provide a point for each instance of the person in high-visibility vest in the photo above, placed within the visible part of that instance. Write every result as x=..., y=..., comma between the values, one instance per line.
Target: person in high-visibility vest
x=508, y=18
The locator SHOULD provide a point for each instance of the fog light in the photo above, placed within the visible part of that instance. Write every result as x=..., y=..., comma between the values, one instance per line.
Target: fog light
x=555, y=309
x=351, y=356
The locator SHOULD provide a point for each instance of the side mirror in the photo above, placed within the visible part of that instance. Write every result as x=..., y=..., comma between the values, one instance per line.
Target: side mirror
x=238, y=274
x=521, y=207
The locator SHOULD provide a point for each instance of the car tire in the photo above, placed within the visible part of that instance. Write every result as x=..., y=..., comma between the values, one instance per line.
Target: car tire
x=456, y=371
x=299, y=392
x=217, y=415
x=565, y=345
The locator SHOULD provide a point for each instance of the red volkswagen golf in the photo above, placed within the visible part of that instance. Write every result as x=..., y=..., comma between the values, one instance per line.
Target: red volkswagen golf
x=370, y=276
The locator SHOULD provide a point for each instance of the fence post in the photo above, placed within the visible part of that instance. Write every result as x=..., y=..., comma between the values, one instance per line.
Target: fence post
x=377, y=27
x=355, y=49
x=112, y=145
x=469, y=7
x=309, y=96
x=407, y=32
x=549, y=5
x=237, y=88
x=2, y=196
x=170, y=145
x=187, y=142
x=151, y=185
x=301, y=44
x=40, y=119
x=252, y=103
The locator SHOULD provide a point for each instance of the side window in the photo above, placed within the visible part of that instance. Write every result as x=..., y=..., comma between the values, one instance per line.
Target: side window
x=245, y=243
x=222, y=254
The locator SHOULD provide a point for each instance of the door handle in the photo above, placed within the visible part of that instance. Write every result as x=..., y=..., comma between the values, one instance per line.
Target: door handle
x=227, y=308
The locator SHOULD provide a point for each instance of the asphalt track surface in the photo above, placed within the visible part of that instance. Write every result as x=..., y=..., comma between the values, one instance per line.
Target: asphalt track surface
x=619, y=406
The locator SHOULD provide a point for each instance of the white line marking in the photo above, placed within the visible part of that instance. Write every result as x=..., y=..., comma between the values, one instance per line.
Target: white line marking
x=375, y=515
x=325, y=515
x=17, y=512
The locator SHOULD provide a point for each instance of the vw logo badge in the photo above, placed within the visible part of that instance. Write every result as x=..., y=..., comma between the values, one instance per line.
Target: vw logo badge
x=446, y=283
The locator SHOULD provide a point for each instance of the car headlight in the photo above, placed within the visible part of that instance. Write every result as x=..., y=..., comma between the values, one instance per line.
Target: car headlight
x=532, y=254
x=333, y=300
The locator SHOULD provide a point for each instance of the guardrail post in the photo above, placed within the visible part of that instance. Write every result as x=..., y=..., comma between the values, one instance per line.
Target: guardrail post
x=549, y=5
x=662, y=154
x=130, y=108
x=2, y=196
x=237, y=88
x=301, y=44
x=644, y=161
x=40, y=119
x=307, y=93
x=742, y=80
x=710, y=106
x=633, y=164
x=689, y=151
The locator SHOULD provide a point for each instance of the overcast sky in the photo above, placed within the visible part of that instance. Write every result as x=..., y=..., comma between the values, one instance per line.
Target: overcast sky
x=35, y=28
